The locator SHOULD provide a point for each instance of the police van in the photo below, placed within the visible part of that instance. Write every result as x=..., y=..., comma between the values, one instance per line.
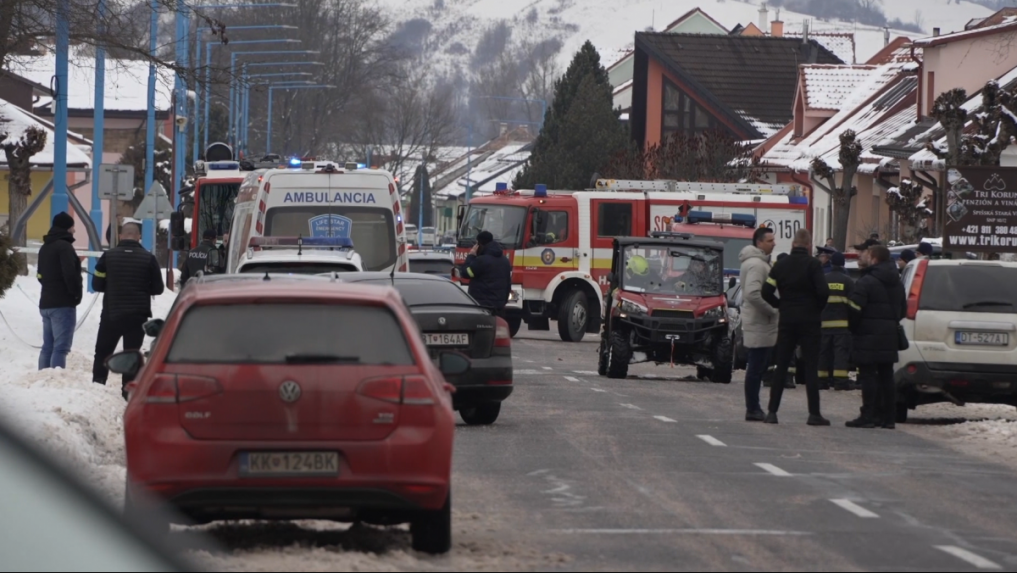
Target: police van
x=320, y=200
x=299, y=255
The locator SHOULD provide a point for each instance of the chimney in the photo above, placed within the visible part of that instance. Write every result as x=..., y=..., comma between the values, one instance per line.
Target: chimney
x=805, y=31
x=935, y=32
x=764, y=16
x=886, y=37
x=777, y=27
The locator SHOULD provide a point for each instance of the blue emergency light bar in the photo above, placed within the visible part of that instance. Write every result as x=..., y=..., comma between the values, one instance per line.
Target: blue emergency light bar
x=540, y=190
x=696, y=217
x=295, y=162
x=223, y=166
x=332, y=242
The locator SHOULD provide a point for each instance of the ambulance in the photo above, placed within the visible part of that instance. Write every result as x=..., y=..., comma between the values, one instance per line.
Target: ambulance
x=321, y=200
x=559, y=242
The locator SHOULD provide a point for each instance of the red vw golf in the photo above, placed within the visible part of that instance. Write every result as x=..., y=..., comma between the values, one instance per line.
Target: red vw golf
x=292, y=398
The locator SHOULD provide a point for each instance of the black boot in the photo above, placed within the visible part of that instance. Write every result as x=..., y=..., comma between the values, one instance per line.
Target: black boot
x=861, y=422
x=817, y=420
x=757, y=416
x=789, y=384
x=771, y=418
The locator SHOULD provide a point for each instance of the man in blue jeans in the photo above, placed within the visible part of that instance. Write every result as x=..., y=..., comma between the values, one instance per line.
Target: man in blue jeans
x=759, y=319
x=60, y=275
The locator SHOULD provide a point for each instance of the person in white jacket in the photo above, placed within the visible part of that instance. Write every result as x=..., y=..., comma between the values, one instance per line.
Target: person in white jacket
x=759, y=319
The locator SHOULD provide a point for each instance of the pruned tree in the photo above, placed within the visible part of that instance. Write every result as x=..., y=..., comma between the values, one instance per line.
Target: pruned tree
x=949, y=111
x=907, y=201
x=711, y=156
x=9, y=265
x=850, y=158
x=19, y=148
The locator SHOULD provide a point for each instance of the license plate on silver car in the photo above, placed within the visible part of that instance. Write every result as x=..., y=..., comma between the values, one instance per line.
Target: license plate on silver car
x=983, y=338
x=301, y=464
x=447, y=339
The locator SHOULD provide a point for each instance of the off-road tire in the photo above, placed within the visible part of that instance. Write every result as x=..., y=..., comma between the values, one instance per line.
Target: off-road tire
x=619, y=354
x=514, y=325
x=481, y=414
x=723, y=361
x=602, y=357
x=573, y=315
x=432, y=530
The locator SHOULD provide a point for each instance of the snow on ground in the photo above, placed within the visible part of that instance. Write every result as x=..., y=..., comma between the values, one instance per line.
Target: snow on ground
x=988, y=431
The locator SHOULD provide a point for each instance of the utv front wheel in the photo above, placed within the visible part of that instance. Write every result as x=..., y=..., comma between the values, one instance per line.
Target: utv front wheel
x=619, y=354
x=723, y=361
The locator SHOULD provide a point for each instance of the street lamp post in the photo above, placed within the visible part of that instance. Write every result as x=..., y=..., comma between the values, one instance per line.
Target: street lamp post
x=268, y=137
x=234, y=107
x=247, y=97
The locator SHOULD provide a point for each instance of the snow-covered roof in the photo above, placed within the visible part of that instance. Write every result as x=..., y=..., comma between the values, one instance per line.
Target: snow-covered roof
x=827, y=87
x=500, y=167
x=14, y=121
x=1009, y=24
x=126, y=87
x=876, y=108
x=842, y=44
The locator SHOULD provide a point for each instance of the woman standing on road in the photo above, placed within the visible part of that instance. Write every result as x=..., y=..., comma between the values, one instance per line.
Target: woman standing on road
x=877, y=304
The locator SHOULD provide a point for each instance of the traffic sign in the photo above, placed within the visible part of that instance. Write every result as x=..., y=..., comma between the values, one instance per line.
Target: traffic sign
x=116, y=181
x=155, y=204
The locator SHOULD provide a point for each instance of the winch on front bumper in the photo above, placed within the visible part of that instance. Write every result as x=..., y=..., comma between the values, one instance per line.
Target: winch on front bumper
x=668, y=327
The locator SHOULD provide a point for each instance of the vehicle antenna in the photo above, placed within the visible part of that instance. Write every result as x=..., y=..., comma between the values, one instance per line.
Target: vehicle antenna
x=267, y=278
x=300, y=245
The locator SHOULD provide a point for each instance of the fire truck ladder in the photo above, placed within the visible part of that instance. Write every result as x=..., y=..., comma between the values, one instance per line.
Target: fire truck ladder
x=696, y=187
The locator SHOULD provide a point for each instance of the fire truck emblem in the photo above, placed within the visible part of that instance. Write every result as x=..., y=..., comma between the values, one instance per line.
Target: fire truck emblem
x=547, y=257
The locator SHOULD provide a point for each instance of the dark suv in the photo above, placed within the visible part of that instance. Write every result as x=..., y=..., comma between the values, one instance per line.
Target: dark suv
x=666, y=305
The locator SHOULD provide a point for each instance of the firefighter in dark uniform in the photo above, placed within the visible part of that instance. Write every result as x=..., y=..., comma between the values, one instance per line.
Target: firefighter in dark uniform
x=205, y=258
x=835, y=353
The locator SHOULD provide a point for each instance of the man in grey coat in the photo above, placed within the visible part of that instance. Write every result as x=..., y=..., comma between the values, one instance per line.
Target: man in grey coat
x=759, y=319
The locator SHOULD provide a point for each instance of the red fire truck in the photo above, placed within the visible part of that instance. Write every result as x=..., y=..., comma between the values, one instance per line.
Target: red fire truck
x=559, y=242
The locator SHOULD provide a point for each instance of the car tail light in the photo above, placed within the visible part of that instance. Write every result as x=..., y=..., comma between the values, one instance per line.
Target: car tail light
x=383, y=389
x=915, y=294
x=503, y=334
x=191, y=388
x=416, y=392
x=163, y=390
x=912, y=369
x=499, y=383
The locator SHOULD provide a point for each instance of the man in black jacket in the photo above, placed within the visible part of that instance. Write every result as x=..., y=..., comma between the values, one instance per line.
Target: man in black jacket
x=129, y=276
x=489, y=272
x=878, y=303
x=60, y=275
x=835, y=355
x=803, y=293
x=204, y=258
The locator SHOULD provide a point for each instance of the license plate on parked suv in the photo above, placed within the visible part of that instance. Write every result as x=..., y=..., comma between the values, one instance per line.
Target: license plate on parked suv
x=983, y=338
x=258, y=464
x=447, y=339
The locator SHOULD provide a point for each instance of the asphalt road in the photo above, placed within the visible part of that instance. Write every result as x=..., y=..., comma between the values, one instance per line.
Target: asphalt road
x=660, y=472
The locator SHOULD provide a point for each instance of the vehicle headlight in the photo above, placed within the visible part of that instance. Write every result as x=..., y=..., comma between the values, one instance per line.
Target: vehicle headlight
x=629, y=307
x=715, y=313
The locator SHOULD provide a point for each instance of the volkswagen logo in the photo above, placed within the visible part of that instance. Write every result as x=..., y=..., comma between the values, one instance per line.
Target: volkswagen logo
x=442, y=321
x=289, y=392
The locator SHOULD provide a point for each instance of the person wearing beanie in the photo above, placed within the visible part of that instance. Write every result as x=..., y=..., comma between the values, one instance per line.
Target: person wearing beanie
x=906, y=256
x=205, y=258
x=489, y=273
x=925, y=250
x=59, y=273
x=824, y=254
x=835, y=350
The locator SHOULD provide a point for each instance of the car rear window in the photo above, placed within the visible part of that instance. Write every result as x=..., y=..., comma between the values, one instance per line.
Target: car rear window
x=969, y=288
x=432, y=292
x=269, y=333
x=431, y=266
x=297, y=268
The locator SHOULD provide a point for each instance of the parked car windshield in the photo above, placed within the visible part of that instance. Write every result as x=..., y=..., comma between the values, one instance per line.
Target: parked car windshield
x=673, y=270
x=269, y=333
x=969, y=288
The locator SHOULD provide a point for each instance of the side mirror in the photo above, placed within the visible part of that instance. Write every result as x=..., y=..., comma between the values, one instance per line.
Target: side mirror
x=154, y=327
x=178, y=244
x=128, y=362
x=454, y=364
x=732, y=283
x=177, y=224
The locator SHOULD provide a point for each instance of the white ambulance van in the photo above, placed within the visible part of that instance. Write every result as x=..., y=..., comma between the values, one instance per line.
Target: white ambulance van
x=320, y=200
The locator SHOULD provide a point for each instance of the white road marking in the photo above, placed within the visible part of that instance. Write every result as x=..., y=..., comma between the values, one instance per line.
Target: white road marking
x=712, y=441
x=854, y=508
x=547, y=368
x=630, y=406
x=677, y=532
x=773, y=470
x=598, y=390
x=586, y=372
x=665, y=419
x=572, y=379
x=526, y=372
x=965, y=555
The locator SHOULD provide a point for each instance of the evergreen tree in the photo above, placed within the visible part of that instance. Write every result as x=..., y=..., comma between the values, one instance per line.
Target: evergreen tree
x=414, y=193
x=9, y=265
x=561, y=157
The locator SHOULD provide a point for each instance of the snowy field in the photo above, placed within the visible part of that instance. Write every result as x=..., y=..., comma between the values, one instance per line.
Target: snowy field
x=80, y=424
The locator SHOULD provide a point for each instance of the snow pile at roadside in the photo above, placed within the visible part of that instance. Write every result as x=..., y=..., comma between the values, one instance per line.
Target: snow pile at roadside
x=986, y=430
x=79, y=423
